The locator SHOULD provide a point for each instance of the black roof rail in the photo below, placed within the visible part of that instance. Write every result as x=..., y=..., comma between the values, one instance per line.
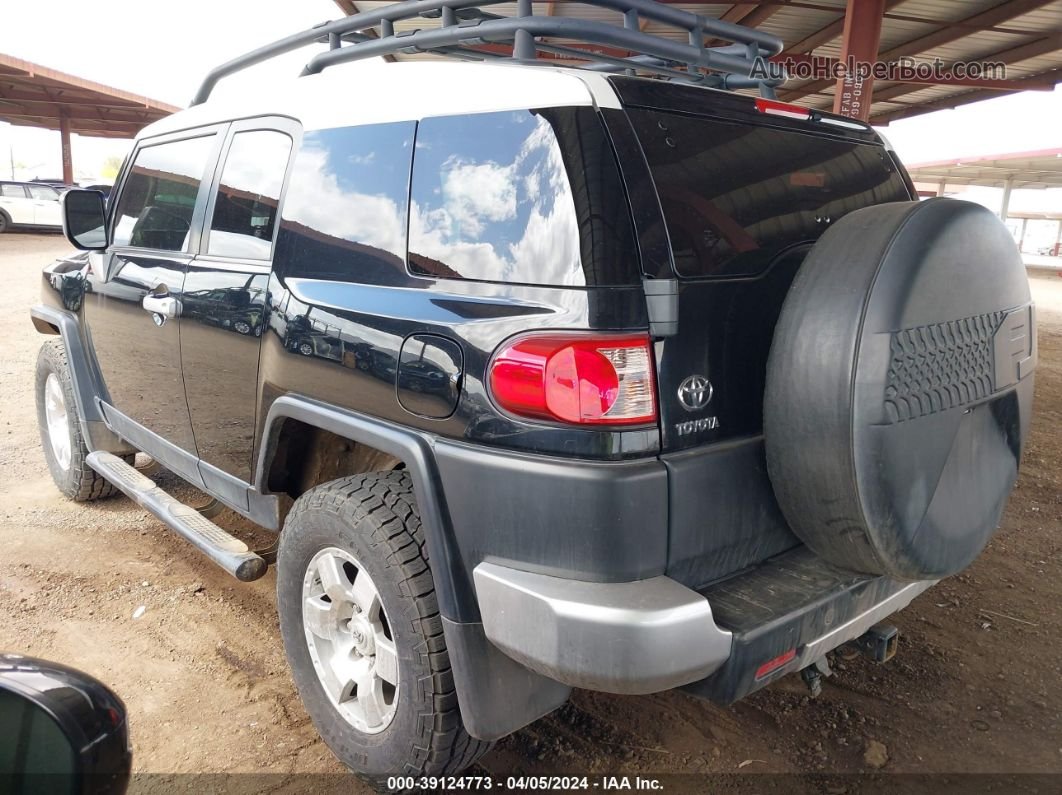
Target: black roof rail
x=466, y=27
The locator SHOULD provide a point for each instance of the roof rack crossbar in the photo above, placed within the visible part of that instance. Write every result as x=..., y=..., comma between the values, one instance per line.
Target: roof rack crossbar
x=465, y=24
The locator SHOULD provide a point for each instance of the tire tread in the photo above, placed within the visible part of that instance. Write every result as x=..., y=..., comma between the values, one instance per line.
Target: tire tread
x=385, y=502
x=83, y=483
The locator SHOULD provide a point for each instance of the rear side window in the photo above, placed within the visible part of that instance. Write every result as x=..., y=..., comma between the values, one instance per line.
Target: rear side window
x=158, y=198
x=345, y=210
x=530, y=197
x=43, y=193
x=245, y=210
x=735, y=196
x=10, y=191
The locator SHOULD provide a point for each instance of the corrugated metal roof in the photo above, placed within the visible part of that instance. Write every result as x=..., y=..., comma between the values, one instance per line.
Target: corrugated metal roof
x=1025, y=35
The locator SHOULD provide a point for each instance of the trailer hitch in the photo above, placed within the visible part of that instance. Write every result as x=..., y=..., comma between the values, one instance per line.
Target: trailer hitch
x=878, y=643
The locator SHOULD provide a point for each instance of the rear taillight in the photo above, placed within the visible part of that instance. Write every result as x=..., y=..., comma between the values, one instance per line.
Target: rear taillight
x=774, y=108
x=599, y=380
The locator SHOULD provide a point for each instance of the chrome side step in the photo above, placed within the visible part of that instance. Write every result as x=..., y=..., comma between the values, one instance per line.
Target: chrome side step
x=230, y=553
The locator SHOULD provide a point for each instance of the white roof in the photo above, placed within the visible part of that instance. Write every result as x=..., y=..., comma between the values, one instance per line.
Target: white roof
x=378, y=92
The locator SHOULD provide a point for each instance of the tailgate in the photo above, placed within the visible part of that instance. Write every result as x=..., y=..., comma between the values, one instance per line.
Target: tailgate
x=745, y=194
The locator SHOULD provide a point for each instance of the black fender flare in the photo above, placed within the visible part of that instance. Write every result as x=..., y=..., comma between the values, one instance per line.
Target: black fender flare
x=84, y=375
x=496, y=694
x=452, y=584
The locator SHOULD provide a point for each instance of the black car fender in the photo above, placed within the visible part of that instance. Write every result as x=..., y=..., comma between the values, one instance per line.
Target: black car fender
x=496, y=695
x=84, y=375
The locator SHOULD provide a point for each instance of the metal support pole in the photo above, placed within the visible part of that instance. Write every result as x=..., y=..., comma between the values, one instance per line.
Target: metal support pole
x=1021, y=240
x=859, y=49
x=524, y=43
x=1004, y=211
x=68, y=158
x=942, y=187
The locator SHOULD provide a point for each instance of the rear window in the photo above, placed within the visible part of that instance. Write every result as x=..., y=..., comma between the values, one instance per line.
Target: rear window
x=530, y=197
x=735, y=196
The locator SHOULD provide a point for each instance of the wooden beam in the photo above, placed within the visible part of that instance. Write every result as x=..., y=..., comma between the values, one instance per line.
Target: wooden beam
x=1024, y=52
x=31, y=72
x=64, y=99
x=957, y=100
x=945, y=34
x=949, y=33
x=821, y=64
x=64, y=149
x=827, y=33
x=862, y=34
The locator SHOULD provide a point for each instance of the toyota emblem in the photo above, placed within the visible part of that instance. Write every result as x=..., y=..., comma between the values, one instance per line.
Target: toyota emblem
x=695, y=392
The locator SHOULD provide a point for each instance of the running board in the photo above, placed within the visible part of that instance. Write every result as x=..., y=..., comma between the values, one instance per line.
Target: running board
x=230, y=553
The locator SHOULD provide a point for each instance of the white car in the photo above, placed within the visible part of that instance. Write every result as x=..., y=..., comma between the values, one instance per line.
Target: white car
x=29, y=204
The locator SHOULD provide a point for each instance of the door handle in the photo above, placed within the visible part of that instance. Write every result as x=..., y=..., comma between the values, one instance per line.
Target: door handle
x=165, y=305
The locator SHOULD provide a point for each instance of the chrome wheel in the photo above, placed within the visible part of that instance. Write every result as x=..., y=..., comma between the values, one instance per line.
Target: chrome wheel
x=58, y=420
x=350, y=640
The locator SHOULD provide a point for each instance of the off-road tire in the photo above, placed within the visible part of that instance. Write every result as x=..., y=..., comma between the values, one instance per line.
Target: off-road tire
x=79, y=481
x=374, y=518
x=5, y=223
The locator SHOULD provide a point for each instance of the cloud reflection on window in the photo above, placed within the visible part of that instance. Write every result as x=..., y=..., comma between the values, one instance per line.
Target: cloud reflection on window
x=492, y=201
x=344, y=215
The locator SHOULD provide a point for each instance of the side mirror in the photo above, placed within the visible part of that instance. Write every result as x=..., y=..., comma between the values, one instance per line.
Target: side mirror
x=63, y=731
x=85, y=219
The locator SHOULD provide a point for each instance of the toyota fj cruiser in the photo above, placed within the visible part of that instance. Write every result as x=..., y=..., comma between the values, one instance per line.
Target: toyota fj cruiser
x=546, y=377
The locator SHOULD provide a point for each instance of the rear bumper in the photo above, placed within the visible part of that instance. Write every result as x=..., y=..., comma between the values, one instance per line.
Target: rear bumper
x=655, y=634
x=632, y=637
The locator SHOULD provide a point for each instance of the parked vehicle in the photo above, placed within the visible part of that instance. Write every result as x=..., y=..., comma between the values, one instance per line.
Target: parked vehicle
x=58, y=184
x=575, y=378
x=103, y=188
x=63, y=731
x=27, y=204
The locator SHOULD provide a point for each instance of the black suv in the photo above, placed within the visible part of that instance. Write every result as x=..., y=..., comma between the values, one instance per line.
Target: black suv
x=545, y=377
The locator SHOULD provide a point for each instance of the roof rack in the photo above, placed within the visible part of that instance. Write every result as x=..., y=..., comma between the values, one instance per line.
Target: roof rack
x=469, y=32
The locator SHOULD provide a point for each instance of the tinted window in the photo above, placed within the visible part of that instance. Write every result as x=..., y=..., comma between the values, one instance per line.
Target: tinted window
x=12, y=191
x=735, y=196
x=526, y=196
x=43, y=193
x=345, y=210
x=245, y=211
x=158, y=199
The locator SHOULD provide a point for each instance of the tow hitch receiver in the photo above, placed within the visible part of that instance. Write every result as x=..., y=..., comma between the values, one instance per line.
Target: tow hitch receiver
x=878, y=643
x=813, y=675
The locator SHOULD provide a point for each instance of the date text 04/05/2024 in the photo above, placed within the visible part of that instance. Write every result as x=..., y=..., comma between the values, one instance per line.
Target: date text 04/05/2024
x=519, y=783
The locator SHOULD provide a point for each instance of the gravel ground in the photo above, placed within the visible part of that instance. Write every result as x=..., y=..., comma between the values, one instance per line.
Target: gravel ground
x=976, y=687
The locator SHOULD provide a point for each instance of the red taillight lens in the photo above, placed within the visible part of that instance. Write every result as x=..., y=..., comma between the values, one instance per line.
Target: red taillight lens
x=774, y=108
x=771, y=666
x=577, y=379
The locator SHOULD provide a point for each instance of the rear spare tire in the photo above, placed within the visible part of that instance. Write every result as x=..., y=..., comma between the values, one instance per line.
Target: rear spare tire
x=899, y=388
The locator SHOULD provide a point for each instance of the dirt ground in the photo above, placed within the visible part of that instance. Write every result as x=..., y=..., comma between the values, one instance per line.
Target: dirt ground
x=976, y=687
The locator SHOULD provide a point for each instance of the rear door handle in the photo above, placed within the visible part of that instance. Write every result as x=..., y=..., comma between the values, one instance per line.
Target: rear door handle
x=162, y=305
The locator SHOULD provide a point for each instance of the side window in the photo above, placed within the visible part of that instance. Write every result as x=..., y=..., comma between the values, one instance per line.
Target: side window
x=158, y=198
x=345, y=210
x=245, y=210
x=44, y=193
x=531, y=197
x=11, y=191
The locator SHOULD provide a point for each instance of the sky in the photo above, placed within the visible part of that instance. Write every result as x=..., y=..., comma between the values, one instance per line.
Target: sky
x=162, y=51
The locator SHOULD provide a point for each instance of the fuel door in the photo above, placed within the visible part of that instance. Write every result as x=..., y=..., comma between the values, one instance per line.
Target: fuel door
x=429, y=375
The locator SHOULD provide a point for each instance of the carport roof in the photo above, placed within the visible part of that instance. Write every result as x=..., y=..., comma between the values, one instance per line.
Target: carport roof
x=1039, y=169
x=1024, y=35
x=36, y=96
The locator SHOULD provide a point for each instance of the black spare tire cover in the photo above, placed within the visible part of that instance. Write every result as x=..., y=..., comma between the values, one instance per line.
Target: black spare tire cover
x=899, y=388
